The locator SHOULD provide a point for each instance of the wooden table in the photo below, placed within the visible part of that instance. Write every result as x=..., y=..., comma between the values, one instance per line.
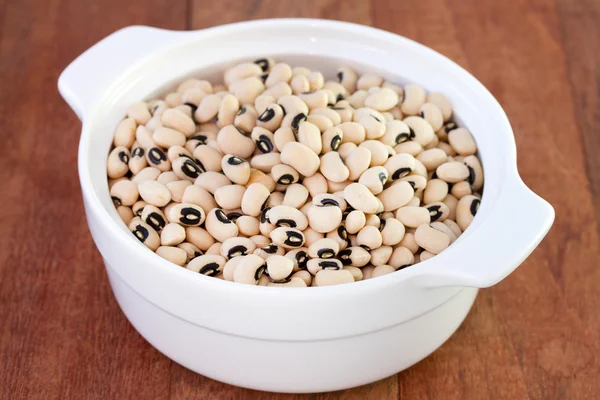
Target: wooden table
x=535, y=335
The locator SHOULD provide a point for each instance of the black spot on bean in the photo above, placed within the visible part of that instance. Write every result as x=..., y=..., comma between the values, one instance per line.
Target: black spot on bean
x=264, y=215
x=263, y=63
x=340, y=76
x=240, y=131
x=301, y=259
x=297, y=120
x=192, y=106
x=234, y=215
x=422, y=114
x=402, y=267
x=264, y=144
x=201, y=139
x=210, y=269
x=260, y=270
x=375, y=118
x=434, y=212
x=156, y=221
x=402, y=137
x=264, y=77
x=156, y=156
x=336, y=142
x=471, y=178
x=241, y=111
x=264, y=205
x=450, y=126
x=325, y=253
x=339, y=97
x=329, y=265
x=382, y=224
x=154, y=109
x=343, y=233
x=235, y=251
x=364, y=246
x=190, y=216
x=267, y=115
x=270, y=248
x=329, y=202
x=116, y=201
x=401, y=172
x=383, y=178
x=124, y=157
x=138, y=152
x=286, y=179
x=412, y=133
x=286, y=222
x=283, y=109
x=220, y=214
x=233, y=160
x=474, y=206
x=344, y=256
x=294, y=239
x=191, y=169
x=141, y=233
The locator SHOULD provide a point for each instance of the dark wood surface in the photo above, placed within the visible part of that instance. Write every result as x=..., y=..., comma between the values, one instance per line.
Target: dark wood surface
x=535, y=335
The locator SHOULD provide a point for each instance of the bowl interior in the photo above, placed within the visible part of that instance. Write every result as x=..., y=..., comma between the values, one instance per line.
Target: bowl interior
x=205, y=54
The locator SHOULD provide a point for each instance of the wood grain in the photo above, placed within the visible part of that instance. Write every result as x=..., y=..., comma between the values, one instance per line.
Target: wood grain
x=535, y=335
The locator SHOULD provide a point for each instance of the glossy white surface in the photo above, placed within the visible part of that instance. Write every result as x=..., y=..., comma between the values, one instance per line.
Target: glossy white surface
x=136, y=62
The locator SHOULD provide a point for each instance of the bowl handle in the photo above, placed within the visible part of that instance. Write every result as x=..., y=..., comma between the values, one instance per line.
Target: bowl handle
x=516, y=225
x=84, y=81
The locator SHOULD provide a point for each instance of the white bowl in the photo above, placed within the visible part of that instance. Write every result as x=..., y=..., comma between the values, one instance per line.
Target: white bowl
x=302, y=340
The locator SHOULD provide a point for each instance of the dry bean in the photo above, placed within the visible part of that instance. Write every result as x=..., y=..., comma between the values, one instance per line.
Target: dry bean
x=354, y=256
x=333, y=277
x=412, y=148
x=245, y=119
x=414, y=98
x=347, y=78
x=462, y=142
x=295, y=195
x=172, y=234
x=287, y=237
x=452, y=171
x=144, y=233
x=355, y=221
x=323, y=248
x=357, y=162
x=233, y=141
x=354, y=132
x=436, y=190
x=382, y=270
x=316, y=265
x=432, y=158
x=466, y=209
x=124, y=193
x=392, y=231
x=360, y=198
x=379, y=152
x=125, y=213
x=117, y=164
x=333, y=168
x=396, y=195
x=400, y=165
x=254, y=199
x=288, y=216
x=301, y=158
x=369, y=237
x=316, y=184
x=324, y=219
x=431, y=239
x=475, y=172
x=461, y=189
x=412, y=217
x=219, y=226
x=381, y=255
x=423, y=132
x=257, y=176
x=173, y=254
x=139, y=112
x=207, y=264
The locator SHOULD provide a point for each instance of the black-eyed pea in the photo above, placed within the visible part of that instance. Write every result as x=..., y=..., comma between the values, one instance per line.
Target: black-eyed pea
x=438, y=211
x=431, y=239
x=412, y=217
x=125, y=133
x=435, y=191
x=423, y=132
x=301, y=158
x=264, y=139
x=355, y=221
x=357, y=99
x=451, y=202
x=324, y=219
x=354, y=256
x=396, y=132
x=236, y=169
x=208, y=108
x=279, y=267
x=143, y=137
x=154, y=217
x=287, y=216
x=432, y=158
x=280, y=72
x=453, y=226
x=414, y=98
x=299, y=257
x=373, y=126
x=310, y=136
x=290, y=282
x=348, y=78
x=355, y=271
x=175, y=152
x=381, y=255
x=117, y=163
x=420, y=169
x=247, y=225
x=207, y=264
x=412, y=148
x=186, y=168
x=271, y=117
x=400, y=165
x=293, y=105
x=177, y=120
x=440, y=226
x=144, y=233
x=228, y=110
x=194, y=142
x=138, y=208
x=219, y=226
x=333, y=168
x=230, y=196
x=344, y=110
x=154, y=193
x=282, y=136
x=300, y=84
x=475, y=172
x=197, y=195
x=396, y=88
x=315, y=265
x=328, y=113
x=139, y=112
x=316, y=99
x=265, y=162
x=333, y=187
x=316, y=80
x=157, y=107
x=425, y=255
x=323, y=248
x=230, y=266
x=327, y=200
x=443, y=104
x=260, y=240
x=242, y=71
x=358, y=161
x=381, y=270
x=257, y=176
x=233, y=141
x=367, y=81
x=369, y=237
x=382, y=100
x=284, y=175
x=396, y=114
x=461, y=189
x=193, y=83
x=245, y=119
x=199, y=237
x=392, y=231
x=124, y=193
x=337, y=90
x=236, y=247
x=193, y=96
x=373, y=220
x=276, y=198
x=246, y=90
x=265, y=226
x=417, y=182
x=125, y=213
x=171, y=234
x=431, y=113
x=328, y=277
x=452, y=171
x=265, y=63
x=176, y=188
x=346, y=148
x=379, y=152
x=262, y=102
x=278, y=90
x=254, y=199
x=175, y=255
x=354, y=132
x=374, y=179
x=395, y=196
x=295, y=195
x=264, y=280
x=320, y=121
x=361, y=198
x=289, y=238
x=138, y=161
x=191, y=250
x=367, y=272
x=466, y=209
x=269, y=250
x=157, y=158
x=316, y=184
x=402, y=257
x=462, y=142
x=304, y=275
x=186, y=214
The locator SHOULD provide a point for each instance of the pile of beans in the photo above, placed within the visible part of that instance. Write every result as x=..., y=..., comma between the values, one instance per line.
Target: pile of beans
x=278, y=177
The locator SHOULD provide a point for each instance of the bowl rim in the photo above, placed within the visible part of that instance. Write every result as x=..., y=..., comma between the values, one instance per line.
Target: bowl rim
x=422, y=268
